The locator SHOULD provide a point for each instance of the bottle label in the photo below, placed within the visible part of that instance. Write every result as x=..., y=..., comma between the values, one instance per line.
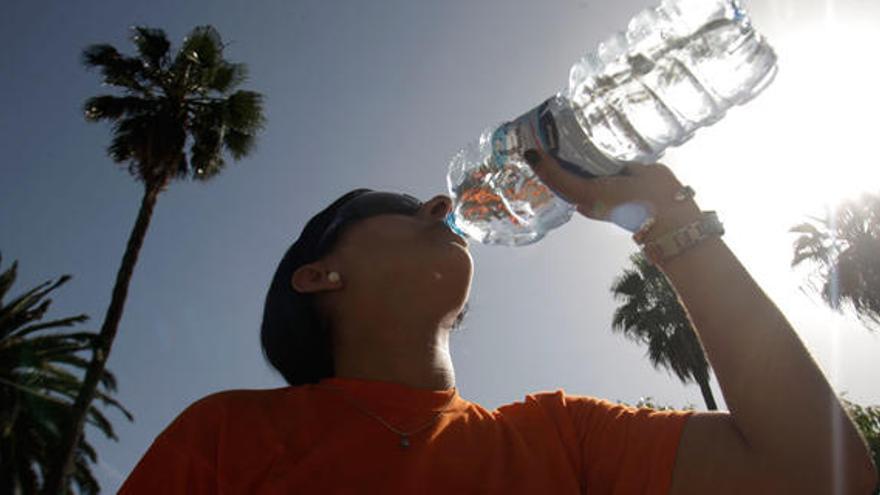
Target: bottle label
x=559, y=135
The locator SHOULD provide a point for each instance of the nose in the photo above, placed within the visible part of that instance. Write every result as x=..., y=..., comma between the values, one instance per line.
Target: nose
x=437, y=207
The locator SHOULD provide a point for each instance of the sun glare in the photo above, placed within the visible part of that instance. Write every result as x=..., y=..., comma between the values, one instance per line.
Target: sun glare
x=828, y=106
x=800, y=147
x=810, y=140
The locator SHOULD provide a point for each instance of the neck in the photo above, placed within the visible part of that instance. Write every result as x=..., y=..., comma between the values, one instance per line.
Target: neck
x=399, y=357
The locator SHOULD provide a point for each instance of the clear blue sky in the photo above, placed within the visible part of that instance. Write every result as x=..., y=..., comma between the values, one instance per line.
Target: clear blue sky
x=381, y=94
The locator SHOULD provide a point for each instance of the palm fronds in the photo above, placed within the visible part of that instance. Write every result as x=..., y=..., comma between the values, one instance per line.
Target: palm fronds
x=171, y=99
x=39, y=379
x=843, y=250
x=651, y=314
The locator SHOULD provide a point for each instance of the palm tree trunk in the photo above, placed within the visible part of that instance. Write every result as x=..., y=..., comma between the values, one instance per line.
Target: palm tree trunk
x=703, y=381
x=7, y=450
x=63, y=462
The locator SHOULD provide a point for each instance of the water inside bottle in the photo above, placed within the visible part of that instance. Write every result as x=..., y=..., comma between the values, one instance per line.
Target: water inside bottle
x=683, y=95
x=732, y=60
x=498, y=199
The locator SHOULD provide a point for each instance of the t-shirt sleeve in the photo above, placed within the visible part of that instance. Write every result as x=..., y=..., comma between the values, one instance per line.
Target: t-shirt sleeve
x=625, y=450
x=182, y=459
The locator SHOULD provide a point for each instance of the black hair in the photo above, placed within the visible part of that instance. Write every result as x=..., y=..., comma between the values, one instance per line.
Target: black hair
x=296, y=339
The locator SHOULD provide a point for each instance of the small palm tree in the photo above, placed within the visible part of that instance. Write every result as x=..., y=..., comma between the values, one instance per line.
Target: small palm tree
x=167, y=102
x=844, y=251
x=37, y=388
x=652, y=314
x=867, y=419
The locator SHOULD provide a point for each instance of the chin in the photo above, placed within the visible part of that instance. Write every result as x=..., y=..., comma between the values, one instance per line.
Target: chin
x=460, y=266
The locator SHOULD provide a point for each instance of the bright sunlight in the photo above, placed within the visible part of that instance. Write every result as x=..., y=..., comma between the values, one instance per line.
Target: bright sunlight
x=807, y=142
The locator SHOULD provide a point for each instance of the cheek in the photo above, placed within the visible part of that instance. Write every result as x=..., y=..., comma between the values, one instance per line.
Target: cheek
x=379, y=264
x=432, y=265
x=391, y=256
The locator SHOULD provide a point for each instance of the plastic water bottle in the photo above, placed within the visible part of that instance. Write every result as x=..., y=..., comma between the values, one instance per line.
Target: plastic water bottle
x=677, y=67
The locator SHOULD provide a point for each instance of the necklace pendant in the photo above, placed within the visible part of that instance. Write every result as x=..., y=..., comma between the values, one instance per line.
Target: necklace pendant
x=404, y=441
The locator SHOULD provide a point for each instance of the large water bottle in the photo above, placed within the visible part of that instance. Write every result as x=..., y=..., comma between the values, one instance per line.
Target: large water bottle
x=677, y=67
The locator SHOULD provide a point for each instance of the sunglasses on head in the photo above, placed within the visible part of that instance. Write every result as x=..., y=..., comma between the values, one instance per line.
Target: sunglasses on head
x=364, y=206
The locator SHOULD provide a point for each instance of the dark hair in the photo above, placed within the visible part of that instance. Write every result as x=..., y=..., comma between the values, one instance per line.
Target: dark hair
x=295, y=338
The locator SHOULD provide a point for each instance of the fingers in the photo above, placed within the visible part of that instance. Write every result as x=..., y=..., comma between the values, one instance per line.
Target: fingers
x=628, y=199
x=595, y=197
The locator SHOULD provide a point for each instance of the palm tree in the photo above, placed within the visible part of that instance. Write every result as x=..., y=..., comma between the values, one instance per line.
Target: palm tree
x=652, y=314
x=844, y=251
x=167, y=103
x=38, y=387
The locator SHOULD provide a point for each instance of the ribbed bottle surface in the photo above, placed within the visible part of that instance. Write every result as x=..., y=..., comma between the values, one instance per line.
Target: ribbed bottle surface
x=676, y=68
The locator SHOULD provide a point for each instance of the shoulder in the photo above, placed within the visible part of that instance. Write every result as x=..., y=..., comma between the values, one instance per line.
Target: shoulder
x=556, y=399
x=584, y=409
x=214, y=410
x=555, y=407
x=238, y=398
x=235, y=399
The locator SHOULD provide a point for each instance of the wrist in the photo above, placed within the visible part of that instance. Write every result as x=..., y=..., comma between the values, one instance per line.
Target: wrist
x=669, y=219
x=680, y=231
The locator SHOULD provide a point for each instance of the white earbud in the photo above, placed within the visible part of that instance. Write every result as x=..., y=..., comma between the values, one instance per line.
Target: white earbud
x=333, y=277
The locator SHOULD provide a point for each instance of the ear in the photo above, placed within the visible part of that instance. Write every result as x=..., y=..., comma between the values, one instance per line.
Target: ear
x=312, y=278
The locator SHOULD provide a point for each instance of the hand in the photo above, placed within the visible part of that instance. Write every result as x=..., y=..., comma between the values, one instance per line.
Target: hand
x=639, y=193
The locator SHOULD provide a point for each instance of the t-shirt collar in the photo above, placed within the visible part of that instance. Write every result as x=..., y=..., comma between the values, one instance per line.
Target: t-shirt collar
x=392, y=394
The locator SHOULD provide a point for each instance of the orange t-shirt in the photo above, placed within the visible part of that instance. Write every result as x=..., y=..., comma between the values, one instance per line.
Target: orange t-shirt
x=311, y=439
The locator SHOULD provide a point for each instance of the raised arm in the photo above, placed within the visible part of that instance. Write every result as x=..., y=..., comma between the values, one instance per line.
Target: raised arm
x=786, y=431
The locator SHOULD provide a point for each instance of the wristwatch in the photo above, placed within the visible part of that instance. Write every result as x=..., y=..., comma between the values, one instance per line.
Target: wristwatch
x=674, y=243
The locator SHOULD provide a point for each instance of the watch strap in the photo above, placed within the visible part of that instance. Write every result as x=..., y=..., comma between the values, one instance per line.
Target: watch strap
x=676, y=242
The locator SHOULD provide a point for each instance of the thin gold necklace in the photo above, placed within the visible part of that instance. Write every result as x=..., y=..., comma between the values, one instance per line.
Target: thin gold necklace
x=404, y=435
